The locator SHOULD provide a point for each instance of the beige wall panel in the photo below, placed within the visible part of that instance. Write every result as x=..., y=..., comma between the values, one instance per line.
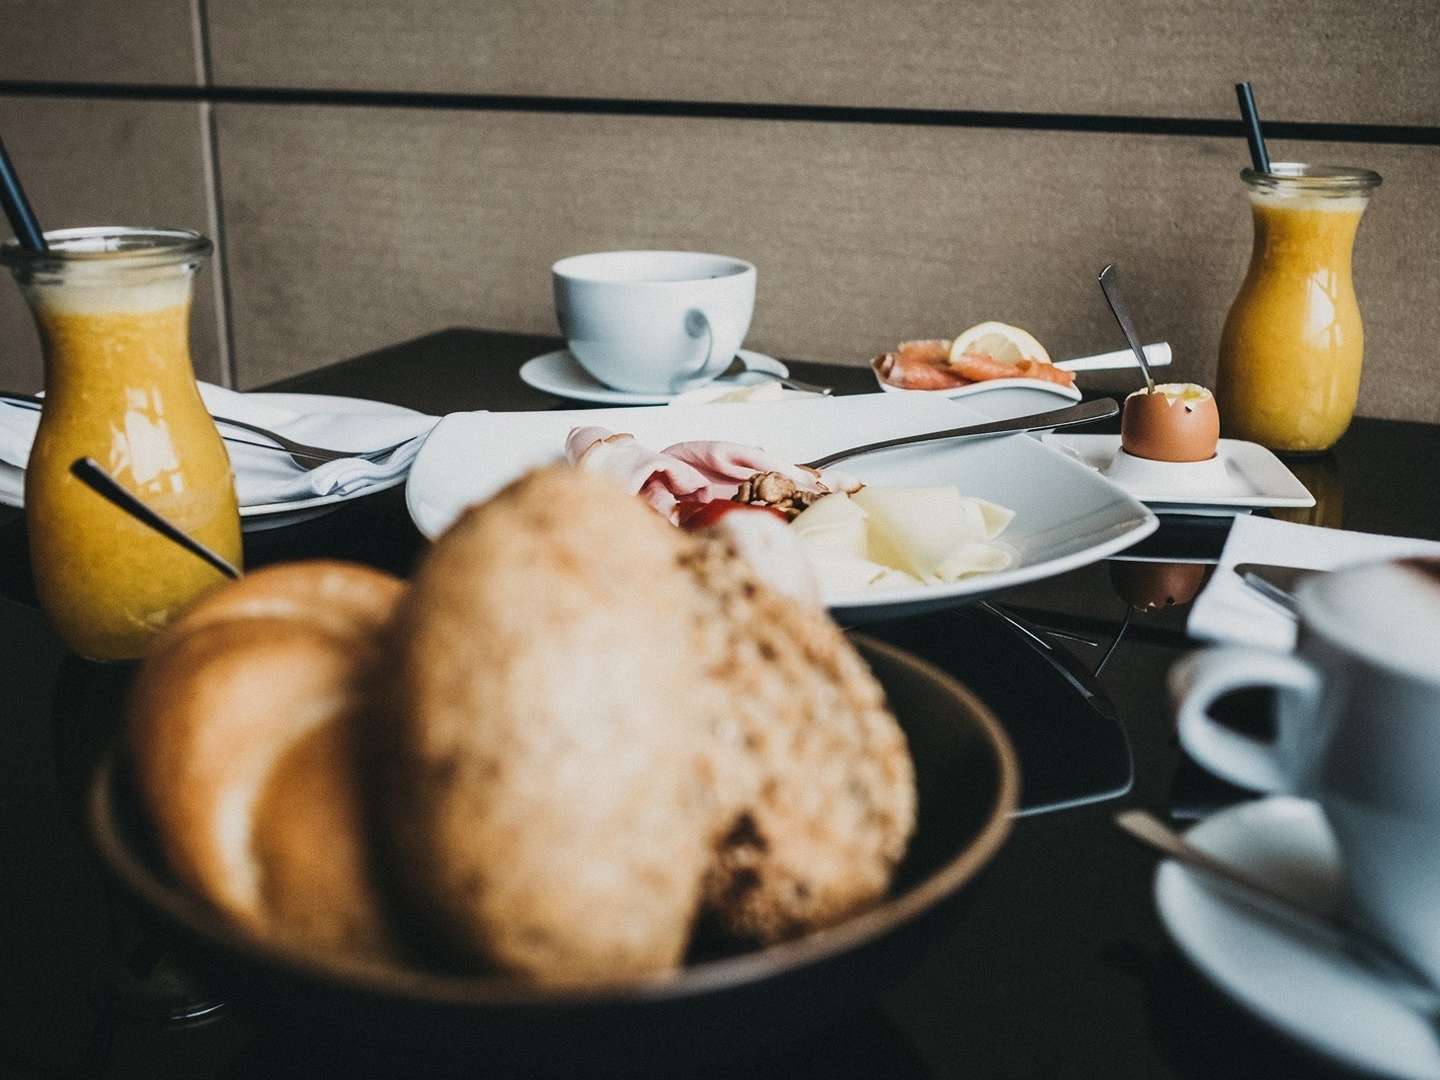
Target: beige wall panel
x=123, y=41
x=100, y=163
x=353, y=229
x=1318, y=60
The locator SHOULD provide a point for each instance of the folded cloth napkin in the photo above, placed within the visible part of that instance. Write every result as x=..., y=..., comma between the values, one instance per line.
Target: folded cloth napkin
x=1229, y=610
x=270, y=476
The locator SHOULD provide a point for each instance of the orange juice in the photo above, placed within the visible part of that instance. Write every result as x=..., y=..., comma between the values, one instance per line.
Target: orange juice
x=1291, y=350
x=113, y=309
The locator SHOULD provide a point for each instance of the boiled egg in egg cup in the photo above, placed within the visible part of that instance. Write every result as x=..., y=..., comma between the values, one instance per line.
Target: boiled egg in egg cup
x=1168, y=439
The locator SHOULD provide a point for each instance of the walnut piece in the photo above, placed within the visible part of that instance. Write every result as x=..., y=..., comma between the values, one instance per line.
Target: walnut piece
x=776, y=490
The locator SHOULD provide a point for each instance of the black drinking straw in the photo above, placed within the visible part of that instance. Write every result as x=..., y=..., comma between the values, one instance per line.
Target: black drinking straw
x=1258, y=157
x=17, y=207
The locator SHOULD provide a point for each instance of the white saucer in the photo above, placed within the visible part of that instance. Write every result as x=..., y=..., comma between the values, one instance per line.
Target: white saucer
x=560, y=374
x=266, y=515
x=1313, y=993
x=1246, y=476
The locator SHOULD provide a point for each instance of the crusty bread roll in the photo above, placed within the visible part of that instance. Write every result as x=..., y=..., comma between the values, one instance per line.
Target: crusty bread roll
x=821, y=797
x=548, y=807
x=598, y=715
x=241, y=724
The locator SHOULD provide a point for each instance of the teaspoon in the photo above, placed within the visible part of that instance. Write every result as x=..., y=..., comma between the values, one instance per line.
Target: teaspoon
x=1377, y=958
x=1111, y=290
x=739, y=367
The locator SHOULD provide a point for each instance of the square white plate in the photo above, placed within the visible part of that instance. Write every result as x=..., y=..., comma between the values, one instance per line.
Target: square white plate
x=1066, y=515
x=1253, y=477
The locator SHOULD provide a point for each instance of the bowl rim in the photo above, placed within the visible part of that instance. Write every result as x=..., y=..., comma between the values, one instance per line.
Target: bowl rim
x=358, y=974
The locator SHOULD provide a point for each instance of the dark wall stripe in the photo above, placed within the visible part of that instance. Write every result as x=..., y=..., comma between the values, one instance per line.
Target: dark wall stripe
x=835, y=114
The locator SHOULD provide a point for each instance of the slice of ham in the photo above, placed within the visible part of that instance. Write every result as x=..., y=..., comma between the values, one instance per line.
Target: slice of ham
x=697, y=471
x=728, y=463
x=660, y=480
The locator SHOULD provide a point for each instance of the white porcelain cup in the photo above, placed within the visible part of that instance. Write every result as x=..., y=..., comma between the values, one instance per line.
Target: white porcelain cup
x=653, y=322
x=1357, y=729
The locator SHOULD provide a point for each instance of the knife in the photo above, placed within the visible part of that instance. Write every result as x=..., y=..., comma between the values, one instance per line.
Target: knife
x=1276, y=583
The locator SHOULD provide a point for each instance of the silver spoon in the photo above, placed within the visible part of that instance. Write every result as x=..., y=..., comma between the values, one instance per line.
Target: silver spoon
x=1377, y=958
x=739, y=367
x=89, y=473
x=1084, y=413
x=1111, y=290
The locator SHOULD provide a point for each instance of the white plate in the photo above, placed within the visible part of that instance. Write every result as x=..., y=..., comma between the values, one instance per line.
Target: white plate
x=560, y=374
x=1065, y=515
x=1248, y=476
x=266, y=515
x=1315, y=994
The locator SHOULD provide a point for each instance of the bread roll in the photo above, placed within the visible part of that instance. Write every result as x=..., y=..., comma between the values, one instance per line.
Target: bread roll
x=820, y=802
x=599, y=715
x=548, y=810
x=241, y=724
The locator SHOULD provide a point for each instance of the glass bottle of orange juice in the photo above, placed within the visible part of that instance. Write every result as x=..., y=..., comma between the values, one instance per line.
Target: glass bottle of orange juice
x=112, y=306
x=1291, y=350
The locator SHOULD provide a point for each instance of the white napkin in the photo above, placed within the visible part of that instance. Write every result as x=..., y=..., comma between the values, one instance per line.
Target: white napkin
x=269, y=476
x=1229, y=610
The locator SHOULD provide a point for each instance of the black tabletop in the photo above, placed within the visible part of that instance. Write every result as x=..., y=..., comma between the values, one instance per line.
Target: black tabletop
x=1057, y=967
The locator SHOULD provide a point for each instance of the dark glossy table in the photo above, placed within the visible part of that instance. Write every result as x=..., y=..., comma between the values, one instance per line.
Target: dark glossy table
x=1057, y=967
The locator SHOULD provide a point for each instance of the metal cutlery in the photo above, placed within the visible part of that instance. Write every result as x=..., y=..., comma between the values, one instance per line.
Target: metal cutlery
x=1111, y=289
x=318, y=454
x=89, y=473
x=1084, y=413
x=1377, y=958
x=739, y=367
x=1276, y=583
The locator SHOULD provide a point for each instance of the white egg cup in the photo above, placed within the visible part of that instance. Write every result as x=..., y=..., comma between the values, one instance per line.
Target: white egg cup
x=1201, y=478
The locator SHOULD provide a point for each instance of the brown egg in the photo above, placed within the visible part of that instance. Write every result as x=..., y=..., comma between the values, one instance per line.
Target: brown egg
x=1175, y=422
x=1150, y=586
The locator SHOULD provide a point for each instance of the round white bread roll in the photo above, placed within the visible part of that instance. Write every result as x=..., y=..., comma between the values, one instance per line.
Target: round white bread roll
x=241, y=724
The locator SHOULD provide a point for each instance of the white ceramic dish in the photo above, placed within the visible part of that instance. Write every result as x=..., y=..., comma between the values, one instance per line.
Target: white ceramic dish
x=1315, y=994
x=266, y=515
x=560, y=374
x=1066, y=515
x=989, y=386
x=1246, y=476
x=1157, y=355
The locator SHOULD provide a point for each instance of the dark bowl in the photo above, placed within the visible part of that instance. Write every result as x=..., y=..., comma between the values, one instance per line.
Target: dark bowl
x=717, y=1009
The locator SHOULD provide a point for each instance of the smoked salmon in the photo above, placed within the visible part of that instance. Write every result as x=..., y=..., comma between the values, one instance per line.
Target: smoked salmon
x=979, y=368
x=919, y=365
x=926, y=365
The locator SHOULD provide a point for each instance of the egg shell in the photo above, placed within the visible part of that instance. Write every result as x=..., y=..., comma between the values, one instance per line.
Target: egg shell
x=1166, y=427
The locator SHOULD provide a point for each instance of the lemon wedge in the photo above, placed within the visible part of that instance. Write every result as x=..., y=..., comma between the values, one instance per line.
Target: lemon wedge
x=1001, y=342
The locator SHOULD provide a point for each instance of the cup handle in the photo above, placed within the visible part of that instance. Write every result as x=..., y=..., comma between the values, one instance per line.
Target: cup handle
x=697, y=324
x=1198, y=680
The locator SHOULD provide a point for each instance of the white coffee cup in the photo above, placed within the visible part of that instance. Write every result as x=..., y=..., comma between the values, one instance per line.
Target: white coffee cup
x=653, y=322
x=1357, y=730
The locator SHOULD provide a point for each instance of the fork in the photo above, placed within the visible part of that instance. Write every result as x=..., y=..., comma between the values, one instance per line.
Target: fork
x=319, y=454
x=1084, y=413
